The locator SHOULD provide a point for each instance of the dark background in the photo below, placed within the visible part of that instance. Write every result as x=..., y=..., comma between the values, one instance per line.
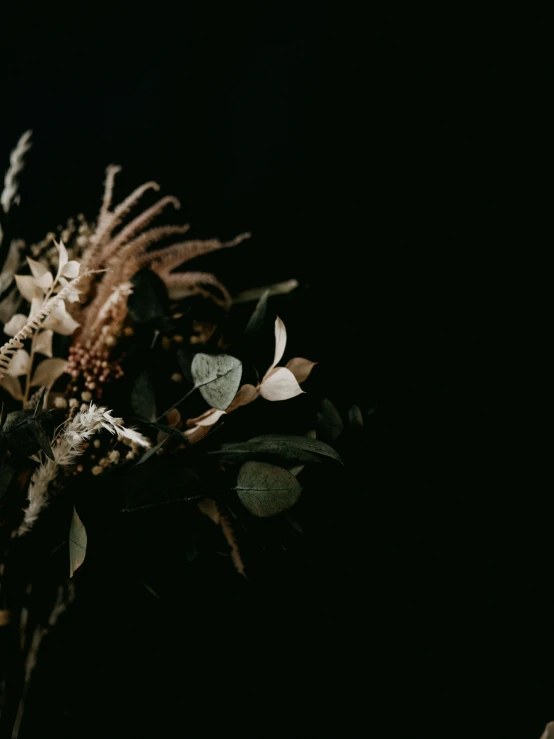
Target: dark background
x=373, y=161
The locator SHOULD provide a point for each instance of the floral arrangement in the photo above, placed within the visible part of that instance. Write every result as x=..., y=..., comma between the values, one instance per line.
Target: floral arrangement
x=120, y=368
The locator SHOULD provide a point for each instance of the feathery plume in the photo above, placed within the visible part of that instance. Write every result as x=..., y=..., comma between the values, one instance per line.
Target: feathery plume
x=9, y=193
x=66, y=448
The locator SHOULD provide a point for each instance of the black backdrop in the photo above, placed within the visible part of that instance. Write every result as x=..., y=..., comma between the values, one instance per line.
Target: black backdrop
x=369, y=162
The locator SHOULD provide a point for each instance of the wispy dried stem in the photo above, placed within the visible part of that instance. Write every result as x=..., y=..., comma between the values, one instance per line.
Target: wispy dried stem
x=9, y=193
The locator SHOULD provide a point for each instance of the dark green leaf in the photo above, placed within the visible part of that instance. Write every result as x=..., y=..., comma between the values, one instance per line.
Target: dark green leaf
x=143, y=399
x=149, y=299
x=280, y=448
x=266, y=490
x=150, y=453
x=329, y=418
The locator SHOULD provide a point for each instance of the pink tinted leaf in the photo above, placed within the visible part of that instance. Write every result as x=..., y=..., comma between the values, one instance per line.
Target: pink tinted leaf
x=300, y=368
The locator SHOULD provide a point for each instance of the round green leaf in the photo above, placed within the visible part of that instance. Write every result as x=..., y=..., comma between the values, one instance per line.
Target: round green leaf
x=266, y=490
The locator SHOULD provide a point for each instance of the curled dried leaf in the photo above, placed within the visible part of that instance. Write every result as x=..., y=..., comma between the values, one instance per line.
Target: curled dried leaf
x=13, y=386
x=245, y=395
x=300, y=368
x=208, y=418
x=280, y=343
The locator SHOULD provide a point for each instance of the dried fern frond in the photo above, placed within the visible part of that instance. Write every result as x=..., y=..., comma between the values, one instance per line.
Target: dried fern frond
x=182, y=284
x=124, y=252
x=164, y=261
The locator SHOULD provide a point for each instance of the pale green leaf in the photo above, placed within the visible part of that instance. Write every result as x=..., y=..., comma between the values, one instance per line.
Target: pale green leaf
x=77, y=543
x=217, y=376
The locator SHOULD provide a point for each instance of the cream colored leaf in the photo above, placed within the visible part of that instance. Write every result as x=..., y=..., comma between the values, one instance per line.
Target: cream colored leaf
x=48, y=371
x=207, y=419
x=60, y=321
x=77, y=543
x=43, y=342
x=280, y=384
x=62, y=258
x=36, y=305
x=38, y=270
x=15, y=324
x=44, y=282
x=13, y=386
x=26, y=285
x=71, y=269
x=300, y=368
x=19, y=364
x=280, y=343
x=196, y=433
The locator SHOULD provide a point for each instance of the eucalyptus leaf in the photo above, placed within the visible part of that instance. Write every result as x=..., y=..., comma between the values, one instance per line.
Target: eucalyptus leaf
x=265, y=489
x=217, y=376
x=143, y=399
x=280, y=448
x=258, y=316
x=329, y=418
x=77, y=543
